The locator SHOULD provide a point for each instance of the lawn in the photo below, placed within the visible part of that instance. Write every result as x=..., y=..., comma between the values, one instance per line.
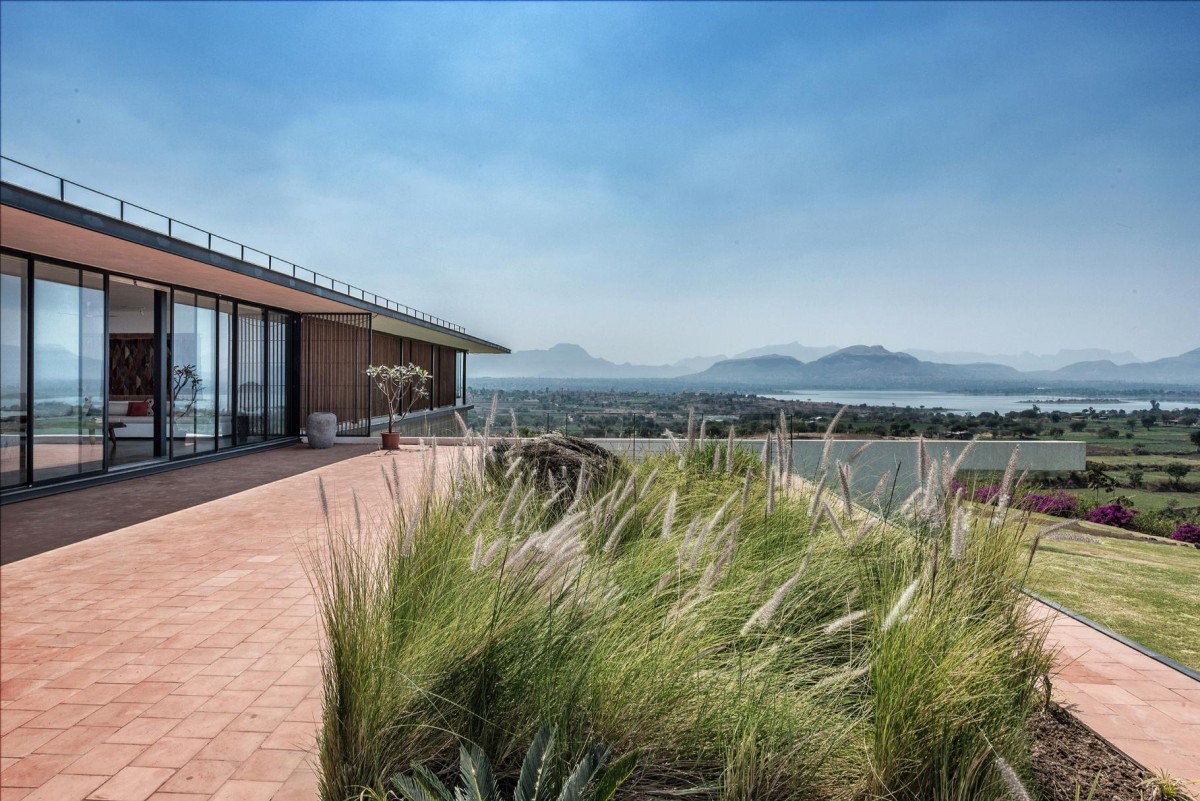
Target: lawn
x=1147, y=592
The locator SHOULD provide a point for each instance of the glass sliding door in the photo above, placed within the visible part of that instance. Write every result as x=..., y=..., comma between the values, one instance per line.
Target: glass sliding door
x=227, y=421
x=134, y=372
x=68, y=416
x=14, y=366
x=277, y=375
x=193, y=401
x=251, y=373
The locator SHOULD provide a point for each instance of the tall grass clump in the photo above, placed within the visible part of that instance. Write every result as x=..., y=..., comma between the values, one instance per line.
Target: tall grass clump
x=748, y=634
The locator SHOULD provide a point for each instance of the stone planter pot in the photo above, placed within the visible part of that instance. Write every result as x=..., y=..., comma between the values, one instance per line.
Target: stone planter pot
x=391, y=440
x=321, y=428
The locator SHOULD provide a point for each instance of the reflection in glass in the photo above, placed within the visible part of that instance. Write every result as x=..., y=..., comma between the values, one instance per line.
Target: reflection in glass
x=227, y=424
x=251, y=373
x=14, y=361
x=68, y=380
x=193, y=400
x=277, y=378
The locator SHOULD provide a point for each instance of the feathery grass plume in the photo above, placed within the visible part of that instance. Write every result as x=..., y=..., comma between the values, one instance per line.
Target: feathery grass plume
x=523, y=506
x=703, y=425
x=958, y=533
x=864, y=530
x=729, y=530
x=691, y=427
x=1037, y=538
x=654, y=510
x=763, y=615
x=901, y=604
x=491, y=418
x=615, y=536
x=771, y=493
x=717, y=568
x=844, y=621
x=1010, y=471
x=846, y=674
x=815, y=519
x=716, y=465
x=648, y=482
x=746, y=490
x=1072, y=536
x=877, y=493
x=513, y=467
x=582, y=483
x=859, y=451
x=410, y=531
x=952, y=473
x=766, y=453
x=669, y=518
x=833, y=519
x=843, y=469
x=1012, y=780
x=477, y=552
x=815, y=501
x=508, y=499
x=553, y=499
x=685, y=547
x=493, y=549
x=357, y=512
x=671, y=439
x=463, y=428
x=663, y=581
x=729, y=446
x=828, y=449
x=396, y=477
x=387, y=483
x=922, y=462
x=516, y=430
x=478, y=513
x=323, y=497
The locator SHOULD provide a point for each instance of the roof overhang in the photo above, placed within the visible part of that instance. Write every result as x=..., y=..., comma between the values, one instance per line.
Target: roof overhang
x=42, y=225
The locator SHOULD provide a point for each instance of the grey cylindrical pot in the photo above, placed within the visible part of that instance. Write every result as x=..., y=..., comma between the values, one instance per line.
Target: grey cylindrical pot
x=321, y=429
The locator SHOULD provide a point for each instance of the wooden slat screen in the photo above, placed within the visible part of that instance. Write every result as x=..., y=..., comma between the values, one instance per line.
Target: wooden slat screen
x=386, y=350
x=421, y=354
x=444, y=394
x=335, y=349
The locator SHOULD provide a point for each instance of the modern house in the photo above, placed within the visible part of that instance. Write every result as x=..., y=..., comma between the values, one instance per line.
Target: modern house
x=131, y=342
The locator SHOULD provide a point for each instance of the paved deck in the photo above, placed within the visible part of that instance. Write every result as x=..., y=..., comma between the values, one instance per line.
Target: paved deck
x=43, y=524
x=1148, y=710
x=175, y=659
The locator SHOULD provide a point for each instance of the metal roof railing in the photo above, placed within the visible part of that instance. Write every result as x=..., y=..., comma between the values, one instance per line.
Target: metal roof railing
x=45, y=183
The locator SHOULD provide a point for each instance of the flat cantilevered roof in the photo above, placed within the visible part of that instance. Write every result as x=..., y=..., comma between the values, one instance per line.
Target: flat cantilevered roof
x=183, y=255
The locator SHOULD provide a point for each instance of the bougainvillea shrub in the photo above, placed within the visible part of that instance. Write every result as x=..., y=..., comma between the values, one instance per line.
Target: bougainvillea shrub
x=1058, y=503
x=1187, y=532
x=1113, y=514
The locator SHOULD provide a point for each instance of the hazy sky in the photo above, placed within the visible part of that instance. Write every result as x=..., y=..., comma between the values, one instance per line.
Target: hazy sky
x=655, y=181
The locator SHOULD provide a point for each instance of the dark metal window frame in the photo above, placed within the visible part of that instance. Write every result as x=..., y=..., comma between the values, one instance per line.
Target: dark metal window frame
x=165, y=359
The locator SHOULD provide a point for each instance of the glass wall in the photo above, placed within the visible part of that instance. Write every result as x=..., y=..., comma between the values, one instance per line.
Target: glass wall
x=227, y=370
x=69, y=421
x=251, y=372
x=14, y=363
x=460, y=377
x=193, y=401
x=277, y=378
x=227, y=420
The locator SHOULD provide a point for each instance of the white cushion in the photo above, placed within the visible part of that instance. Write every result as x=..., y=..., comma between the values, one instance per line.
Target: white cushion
x=118, y=408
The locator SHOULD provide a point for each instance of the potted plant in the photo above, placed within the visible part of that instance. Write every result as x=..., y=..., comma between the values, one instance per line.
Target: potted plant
x=402, y=385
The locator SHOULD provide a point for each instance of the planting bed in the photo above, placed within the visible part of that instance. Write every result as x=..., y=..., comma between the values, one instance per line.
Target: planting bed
x=1068, y=757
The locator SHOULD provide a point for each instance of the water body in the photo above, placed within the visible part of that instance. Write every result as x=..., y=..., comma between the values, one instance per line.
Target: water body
x=970, y=404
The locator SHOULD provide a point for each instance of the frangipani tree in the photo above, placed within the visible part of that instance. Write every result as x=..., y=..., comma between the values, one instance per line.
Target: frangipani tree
x=402, y=386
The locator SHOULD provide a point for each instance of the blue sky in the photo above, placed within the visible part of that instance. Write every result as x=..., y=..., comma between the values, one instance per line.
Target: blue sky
x=656, y=181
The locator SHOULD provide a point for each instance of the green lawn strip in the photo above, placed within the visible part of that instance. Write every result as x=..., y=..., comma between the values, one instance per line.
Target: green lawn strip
x=1144, y=591
x=1143, y=499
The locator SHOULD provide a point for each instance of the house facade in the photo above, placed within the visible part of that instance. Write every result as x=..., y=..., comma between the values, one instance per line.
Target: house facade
x=131, y=342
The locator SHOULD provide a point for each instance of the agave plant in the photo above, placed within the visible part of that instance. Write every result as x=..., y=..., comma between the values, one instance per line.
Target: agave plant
x=536, y=784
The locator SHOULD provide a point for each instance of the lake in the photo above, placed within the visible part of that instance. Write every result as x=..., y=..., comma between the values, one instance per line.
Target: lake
x=968, y=404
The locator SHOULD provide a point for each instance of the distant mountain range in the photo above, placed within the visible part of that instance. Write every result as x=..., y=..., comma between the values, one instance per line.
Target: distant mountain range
x=857, y=367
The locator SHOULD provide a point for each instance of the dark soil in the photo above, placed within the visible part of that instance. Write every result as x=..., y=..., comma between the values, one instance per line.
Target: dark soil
x=1067, y=756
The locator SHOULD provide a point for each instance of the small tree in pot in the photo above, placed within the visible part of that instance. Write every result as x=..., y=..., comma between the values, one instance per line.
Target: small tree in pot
x=402, y=385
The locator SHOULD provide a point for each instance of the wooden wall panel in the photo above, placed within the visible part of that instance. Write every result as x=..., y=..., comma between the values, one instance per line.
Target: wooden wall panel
x=421, y=354
x=386, y=350
x=334, y=350
x=444, y=394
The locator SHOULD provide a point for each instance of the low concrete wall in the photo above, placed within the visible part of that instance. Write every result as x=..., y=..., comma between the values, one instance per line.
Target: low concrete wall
x=898, y=458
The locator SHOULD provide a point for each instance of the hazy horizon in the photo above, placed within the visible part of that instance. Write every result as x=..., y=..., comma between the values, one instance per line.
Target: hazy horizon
x=660, y=181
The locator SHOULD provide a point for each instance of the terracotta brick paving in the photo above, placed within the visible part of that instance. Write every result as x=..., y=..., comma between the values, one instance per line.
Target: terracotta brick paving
x=1148, y=710
x=177, y=658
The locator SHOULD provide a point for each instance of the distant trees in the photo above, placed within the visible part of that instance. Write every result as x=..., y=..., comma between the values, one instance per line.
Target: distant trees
x=1195, y=438
x=1176, y=472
